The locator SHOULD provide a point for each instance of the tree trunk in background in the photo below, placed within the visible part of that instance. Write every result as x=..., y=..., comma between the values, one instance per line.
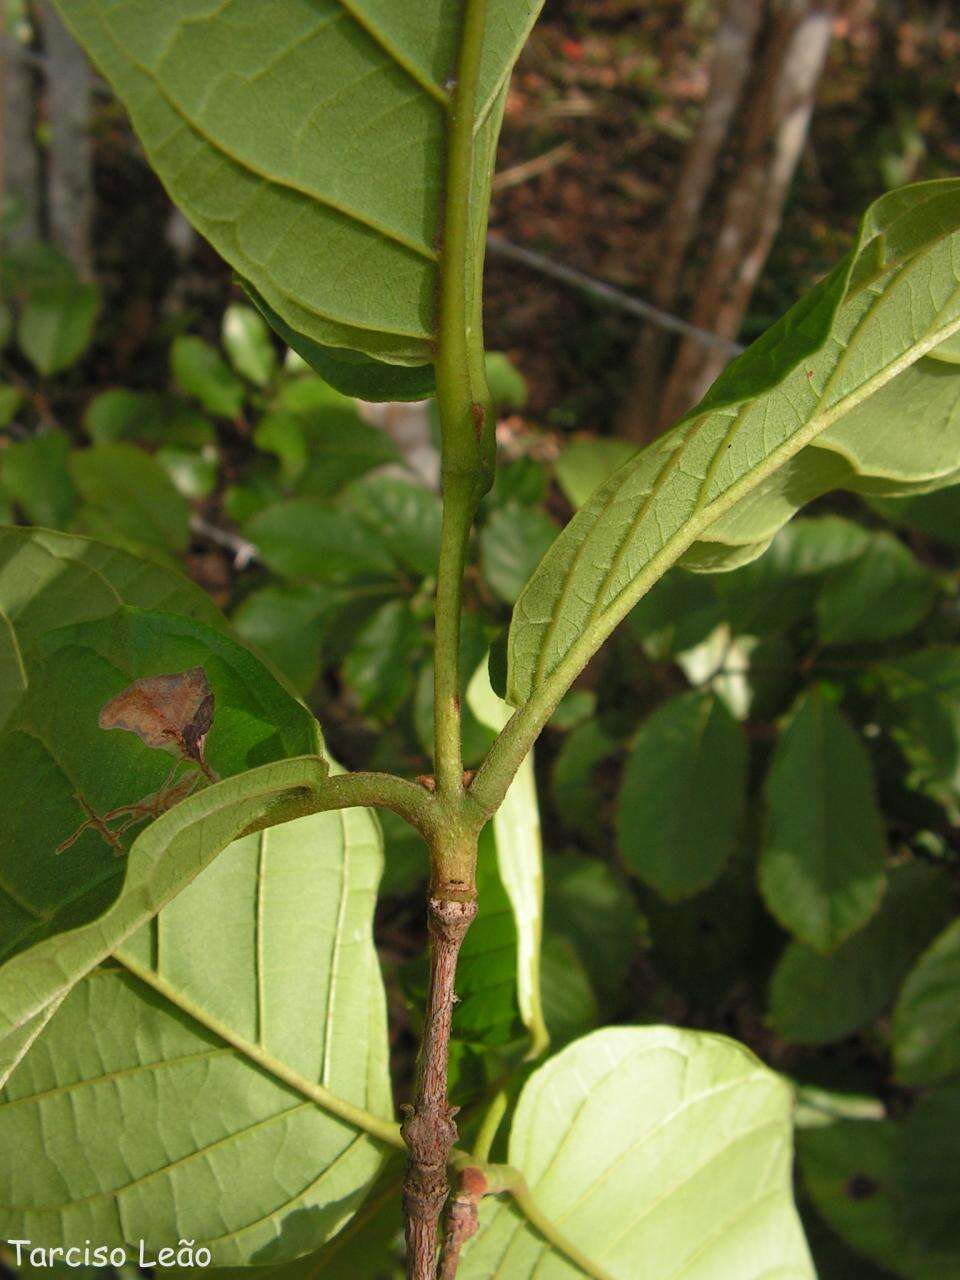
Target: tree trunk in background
x=19, y=160
x=775, y=130
x=729, y=71
x=70, y=155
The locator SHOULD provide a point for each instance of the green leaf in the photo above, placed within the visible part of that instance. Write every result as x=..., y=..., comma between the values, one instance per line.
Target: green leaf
x=11, y=399
x=516, y=829
x=920, y=708
x=822, y=869
x=161, y=862
x=815, y=998
x=814, y=404
x=682, y=796
x=928, y=1175
x=926, y=1020
x=34, y=473
x=201, y=372
x=934, y=514
x=349, y=371
x=585, y=464
x=850, y=1170
x=287, y=624
x=574, y=783
x=150, y=417
x=130, y=497
x=650, y=1143
x=192, y=473
x=404, y=515
x=570, y=1006
x=884, y=593
x=323, y=448
x=587, y=899
x=511, y=545
x=265, y=1163
x=56, y=324
x=317, y=167
x=248, y=344
x=508, y=386
x=306, y=539
x=63, y=776
x=379, y=666
x=50, y=580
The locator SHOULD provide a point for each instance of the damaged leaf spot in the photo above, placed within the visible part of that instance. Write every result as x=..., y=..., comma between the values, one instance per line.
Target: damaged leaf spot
x=173, y=713
x=170, y=713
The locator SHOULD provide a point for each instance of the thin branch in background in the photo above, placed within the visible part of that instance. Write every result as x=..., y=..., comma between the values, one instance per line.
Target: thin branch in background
x=244, y=552
x=534, y=168
x=608, y=294
x=19, y=157
x=69, y=99
x=729, y=71
x=775, y=130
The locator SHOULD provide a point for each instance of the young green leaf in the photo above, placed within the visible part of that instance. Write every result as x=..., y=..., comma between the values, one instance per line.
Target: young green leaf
x=682, y=796
x=822, y=869
x=201, y=372
x=800, y=412
x=926, y=1020
x=274, y=1065
x=314, y=162
x=815, y=998
x=248, y=344
x=650, y=1143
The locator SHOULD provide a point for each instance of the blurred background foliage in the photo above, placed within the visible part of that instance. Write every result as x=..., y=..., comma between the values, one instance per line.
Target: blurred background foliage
x=751, y=800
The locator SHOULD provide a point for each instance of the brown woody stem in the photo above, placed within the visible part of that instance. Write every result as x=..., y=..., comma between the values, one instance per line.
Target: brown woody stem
x=429, y=1129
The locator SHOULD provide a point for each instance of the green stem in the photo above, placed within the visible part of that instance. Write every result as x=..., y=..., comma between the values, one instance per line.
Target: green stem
x=466, y=417
x=492, y=1119
x=378, y=791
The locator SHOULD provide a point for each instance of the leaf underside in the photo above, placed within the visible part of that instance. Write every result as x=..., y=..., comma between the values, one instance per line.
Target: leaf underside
x=658, y=1153
x=819, y=402
x=161, y=1101
x=305, y=140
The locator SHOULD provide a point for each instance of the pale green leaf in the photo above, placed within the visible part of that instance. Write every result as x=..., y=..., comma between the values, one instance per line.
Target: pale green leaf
x=818, y=402
x=682, y=795
x=516, y=828
x=650, y=1148
x=248, y=344
x=926, y=1020
x=822, y=869
x=309, y=149
x=202, y=1083
x=585, y=464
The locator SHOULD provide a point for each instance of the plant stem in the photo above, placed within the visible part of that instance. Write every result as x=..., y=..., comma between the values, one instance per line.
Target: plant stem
x=429, y=1129
x=466, y=417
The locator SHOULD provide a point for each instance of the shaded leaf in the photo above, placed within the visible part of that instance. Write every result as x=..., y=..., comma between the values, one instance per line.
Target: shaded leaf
x=130, y=497
x=815, y=998
x=511, y=544
x=822, y=868
x=56, y=324
x=882, y=594
x=682, y=795
x=926, y=1020
x=34, y=473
